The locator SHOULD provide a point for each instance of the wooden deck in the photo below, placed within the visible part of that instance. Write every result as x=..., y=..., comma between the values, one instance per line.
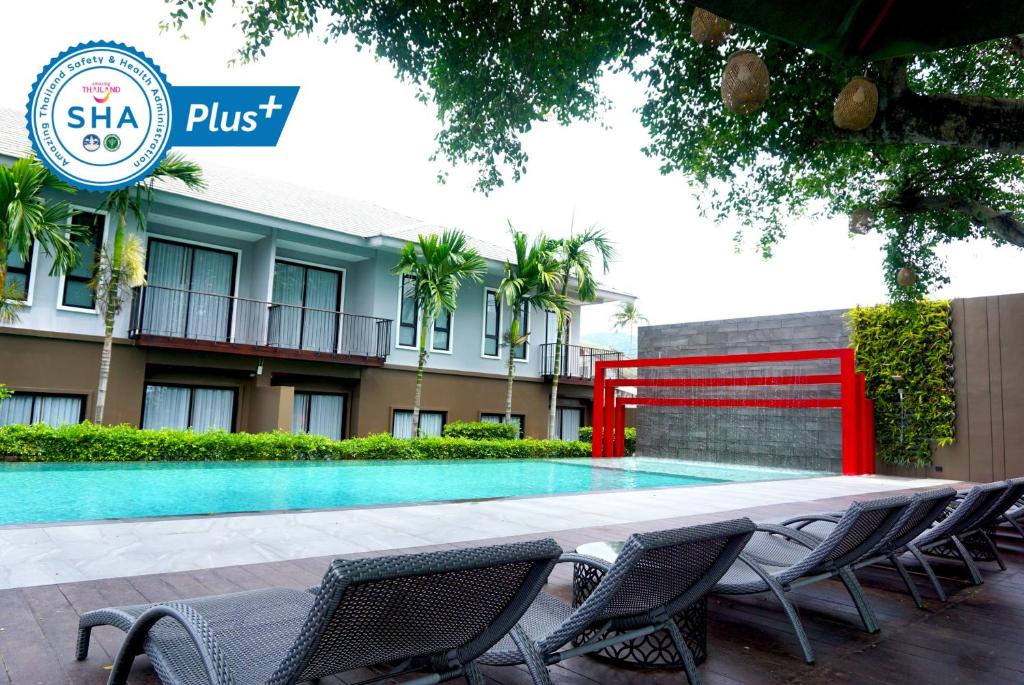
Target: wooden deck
x=973, y=638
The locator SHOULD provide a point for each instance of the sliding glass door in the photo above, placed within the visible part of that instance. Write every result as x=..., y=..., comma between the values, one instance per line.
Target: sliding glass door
x=190, y=291
x=305, y=311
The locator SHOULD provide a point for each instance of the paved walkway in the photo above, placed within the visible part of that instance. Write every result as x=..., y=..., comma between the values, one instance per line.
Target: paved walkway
x=45, y=554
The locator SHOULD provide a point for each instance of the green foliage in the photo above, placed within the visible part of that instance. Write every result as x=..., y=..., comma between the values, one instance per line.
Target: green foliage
x=5, y=392
x=88, y=442
x=481, y=430
x=586, y=435
x=494, y=70
x=908, y=347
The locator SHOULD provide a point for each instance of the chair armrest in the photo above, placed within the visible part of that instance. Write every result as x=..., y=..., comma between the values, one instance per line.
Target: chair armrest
x=810, y=518
x=218, y=671
x=599, y=564
x=793, y=534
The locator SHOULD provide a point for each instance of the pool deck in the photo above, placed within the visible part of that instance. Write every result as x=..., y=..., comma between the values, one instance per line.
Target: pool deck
x=42, y=554
x=973, y=638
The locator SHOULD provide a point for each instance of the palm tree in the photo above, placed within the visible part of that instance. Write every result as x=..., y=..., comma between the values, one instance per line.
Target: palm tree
x=575, y=260
x=628, y=316
x=27, y=218
x=438, y=266
x=530, y=283
x=121, y=268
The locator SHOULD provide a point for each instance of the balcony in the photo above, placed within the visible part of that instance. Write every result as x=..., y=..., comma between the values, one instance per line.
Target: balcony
x=577, y=362
x=191, y=320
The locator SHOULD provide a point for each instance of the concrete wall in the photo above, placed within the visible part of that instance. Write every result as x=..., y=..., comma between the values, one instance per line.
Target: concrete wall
x=988, y=346
x=782, y=438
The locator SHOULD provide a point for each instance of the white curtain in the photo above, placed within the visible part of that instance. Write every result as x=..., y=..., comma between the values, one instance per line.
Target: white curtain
x=569, y=420
x=57, y=411
x=491, y=418
x=320, y=327
x=212, y=409
x=209, y=311
x=401, y=426
x=431, y=423
x=169, y=271
x=16, y=409
x=325, y=415
x=166, y=407
x=517, y=421
x=300, y=412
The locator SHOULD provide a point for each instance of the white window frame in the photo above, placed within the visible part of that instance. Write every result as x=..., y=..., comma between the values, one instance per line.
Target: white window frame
x=63, y=277
x=32, y=273
x=526, y=344
x=451, y=335
x=483, y=325
x=398, y=318
x=301, y=262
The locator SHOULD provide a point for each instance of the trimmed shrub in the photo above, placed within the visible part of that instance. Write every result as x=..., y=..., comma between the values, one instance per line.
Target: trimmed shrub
x=87, y=442
x=481, y=430
x=586, y=434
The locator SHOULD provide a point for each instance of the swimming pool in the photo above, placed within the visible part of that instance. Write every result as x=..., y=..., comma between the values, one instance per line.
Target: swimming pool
x=32, y=493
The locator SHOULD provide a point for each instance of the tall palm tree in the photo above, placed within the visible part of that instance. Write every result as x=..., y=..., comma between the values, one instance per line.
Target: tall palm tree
x=438, y=266
x=530, y=283
x=121, y=268
x=27, y=218
x=629, y=316
x=575, y=260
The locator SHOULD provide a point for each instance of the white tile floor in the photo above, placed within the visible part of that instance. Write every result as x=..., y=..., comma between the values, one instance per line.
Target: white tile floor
x=41, y=555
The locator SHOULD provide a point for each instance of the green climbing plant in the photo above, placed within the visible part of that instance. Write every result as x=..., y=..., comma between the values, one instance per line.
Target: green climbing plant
x=908, y=348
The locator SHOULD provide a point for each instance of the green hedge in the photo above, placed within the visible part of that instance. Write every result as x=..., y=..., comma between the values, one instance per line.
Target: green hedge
x=586, y=432
x=88, y=442
x=914, y=343
x=481, y=430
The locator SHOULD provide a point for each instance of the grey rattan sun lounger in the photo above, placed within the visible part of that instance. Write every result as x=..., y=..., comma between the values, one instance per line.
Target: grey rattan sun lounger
x=433, y=613
x=779, y=559
x=923, y=511
x=1014, y=517
x=655, y=577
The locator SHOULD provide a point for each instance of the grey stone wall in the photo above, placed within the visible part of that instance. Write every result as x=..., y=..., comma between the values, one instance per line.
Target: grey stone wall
x=782, y=438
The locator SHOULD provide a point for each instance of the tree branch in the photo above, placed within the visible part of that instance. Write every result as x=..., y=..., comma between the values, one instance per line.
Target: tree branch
x=1002, y=225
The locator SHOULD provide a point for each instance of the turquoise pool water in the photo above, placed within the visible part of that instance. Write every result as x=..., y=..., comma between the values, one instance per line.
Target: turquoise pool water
x=63, y=492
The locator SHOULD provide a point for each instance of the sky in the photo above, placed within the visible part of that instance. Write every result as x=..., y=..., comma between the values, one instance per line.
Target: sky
x=357, y=131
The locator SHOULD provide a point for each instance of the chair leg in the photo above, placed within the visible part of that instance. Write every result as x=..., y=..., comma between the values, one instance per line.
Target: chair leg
x=534, y=661
x=794, y=618
x=689, y=665
x=82, y=649
x=907, y=580
x=972, y=568
x=473, y=675
x=867, y=614
x=921, y=559
x=1016, y=526
x=994, y=549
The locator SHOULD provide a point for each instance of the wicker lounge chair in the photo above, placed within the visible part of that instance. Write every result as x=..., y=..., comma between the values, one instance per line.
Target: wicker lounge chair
x=433, y=613
x=924, y=510
x=967, y=526
x=1014, y=517
x=779, y=559
x=655, y=577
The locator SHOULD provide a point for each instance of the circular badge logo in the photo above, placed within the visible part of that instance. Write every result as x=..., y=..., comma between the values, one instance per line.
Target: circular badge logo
x=95, y=92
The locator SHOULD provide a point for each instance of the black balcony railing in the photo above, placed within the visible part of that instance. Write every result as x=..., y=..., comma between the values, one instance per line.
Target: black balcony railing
x=577, y=361
x=173, y=314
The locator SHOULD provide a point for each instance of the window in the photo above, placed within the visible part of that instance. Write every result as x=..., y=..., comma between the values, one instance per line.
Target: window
x=518, y=419
x=304, y=314
x=190, y=291
x=408, y=316
x=431, y=423
x=19, y=271
x=53, y=410
x=77, y=292
x=188, y=407
x=319, y=413
x=568, y=422
x=442, y=339
x=492, y=323
x=551, y=328
x=521, y=351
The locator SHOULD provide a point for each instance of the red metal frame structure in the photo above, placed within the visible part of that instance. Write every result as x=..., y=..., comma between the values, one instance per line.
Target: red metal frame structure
x=857, y=412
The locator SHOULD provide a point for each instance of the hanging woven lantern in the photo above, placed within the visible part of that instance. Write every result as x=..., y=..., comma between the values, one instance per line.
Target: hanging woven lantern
x=906, y=278
x=856, y=105
x=861, y=220
x=744, y=82
x=709, y=29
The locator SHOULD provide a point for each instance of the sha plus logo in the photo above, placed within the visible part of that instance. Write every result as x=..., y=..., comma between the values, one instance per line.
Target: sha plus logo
x=101, y=115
